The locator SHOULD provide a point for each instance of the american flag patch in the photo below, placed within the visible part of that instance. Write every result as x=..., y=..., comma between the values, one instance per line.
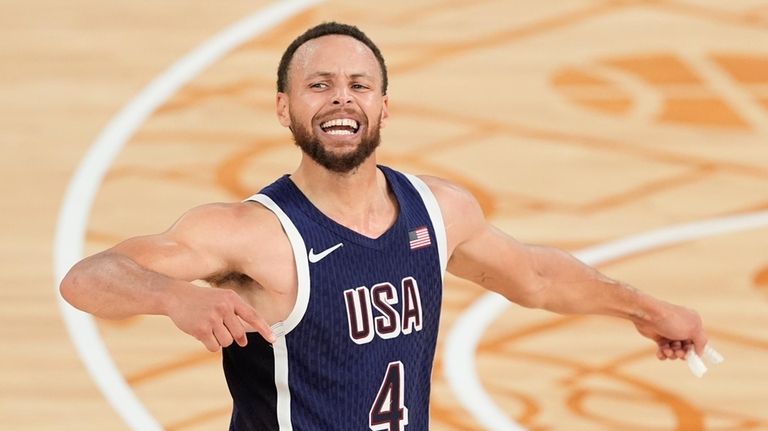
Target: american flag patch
x=419, y=238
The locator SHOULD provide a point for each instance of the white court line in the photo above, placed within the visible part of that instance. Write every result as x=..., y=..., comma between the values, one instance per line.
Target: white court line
x=75, y=210
x=461, y=345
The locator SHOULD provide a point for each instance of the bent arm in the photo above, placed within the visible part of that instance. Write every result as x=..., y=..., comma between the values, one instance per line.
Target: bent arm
x=113, y=284
x=152, y=275
x=142, y=275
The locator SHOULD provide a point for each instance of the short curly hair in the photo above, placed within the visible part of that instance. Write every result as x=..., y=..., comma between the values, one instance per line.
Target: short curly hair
x=327, y=29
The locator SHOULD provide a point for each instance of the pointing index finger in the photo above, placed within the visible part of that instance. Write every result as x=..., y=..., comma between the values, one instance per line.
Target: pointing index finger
x=251, y=317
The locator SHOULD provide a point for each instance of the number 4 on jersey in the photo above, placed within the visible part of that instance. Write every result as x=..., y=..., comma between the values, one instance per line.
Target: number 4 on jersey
x=388, y=412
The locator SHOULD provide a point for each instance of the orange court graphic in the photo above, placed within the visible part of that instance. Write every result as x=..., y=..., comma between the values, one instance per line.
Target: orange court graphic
x=575, y=124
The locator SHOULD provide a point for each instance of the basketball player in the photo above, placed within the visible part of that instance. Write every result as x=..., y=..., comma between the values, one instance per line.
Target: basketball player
x=331, y=277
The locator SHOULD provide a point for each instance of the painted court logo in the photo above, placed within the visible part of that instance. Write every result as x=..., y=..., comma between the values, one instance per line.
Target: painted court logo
x=680, y=89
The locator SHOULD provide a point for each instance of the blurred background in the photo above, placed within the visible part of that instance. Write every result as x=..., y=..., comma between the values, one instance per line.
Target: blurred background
x=577, y=123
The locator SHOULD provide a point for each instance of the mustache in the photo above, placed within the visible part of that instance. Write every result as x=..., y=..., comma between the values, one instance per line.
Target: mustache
x=356, y=115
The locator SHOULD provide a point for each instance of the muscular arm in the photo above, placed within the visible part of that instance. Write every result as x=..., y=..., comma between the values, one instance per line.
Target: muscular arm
x=543, y=277
x=551, y=279
x=152, y=274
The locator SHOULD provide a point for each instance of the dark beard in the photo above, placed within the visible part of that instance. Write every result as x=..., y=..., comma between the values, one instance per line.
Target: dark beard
x=343, y=163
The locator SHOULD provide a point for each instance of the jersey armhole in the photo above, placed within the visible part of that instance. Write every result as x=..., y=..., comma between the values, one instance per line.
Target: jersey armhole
x=433, y=208
x=300, y=260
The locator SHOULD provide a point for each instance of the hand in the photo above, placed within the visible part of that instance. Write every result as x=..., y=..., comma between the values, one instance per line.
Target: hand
x=216, y=317
x=675, y=331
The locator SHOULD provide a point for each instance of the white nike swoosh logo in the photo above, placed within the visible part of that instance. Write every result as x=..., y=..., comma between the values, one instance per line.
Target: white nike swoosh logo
x=314, y=258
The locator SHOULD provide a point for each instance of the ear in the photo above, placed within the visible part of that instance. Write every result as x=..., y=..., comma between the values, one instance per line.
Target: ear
x=281, y=108
x=384, y=111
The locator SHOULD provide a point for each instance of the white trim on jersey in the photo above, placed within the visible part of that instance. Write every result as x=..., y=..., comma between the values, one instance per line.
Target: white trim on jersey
x=302, y=265
x=437, y=219
x=282, y=328
x=281, y=383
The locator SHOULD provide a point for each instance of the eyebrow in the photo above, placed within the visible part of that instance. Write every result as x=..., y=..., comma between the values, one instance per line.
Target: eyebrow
x=332, y=74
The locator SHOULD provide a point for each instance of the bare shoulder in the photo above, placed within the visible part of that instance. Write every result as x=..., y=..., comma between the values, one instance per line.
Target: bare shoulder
x=233, y=229
x=462, y=214
x=453, y=199
x=232, y=218
x=246, y=235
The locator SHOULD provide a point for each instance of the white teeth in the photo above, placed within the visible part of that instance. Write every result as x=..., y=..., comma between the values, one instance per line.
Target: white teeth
x=339, y=132
x=340, y=122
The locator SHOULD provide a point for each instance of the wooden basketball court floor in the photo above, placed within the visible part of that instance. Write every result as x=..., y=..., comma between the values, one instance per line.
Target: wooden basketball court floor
x=633, y=133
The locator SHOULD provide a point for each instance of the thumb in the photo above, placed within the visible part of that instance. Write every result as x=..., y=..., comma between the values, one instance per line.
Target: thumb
x=700, y=342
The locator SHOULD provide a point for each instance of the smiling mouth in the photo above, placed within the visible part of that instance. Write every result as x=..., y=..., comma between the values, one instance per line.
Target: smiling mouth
x=340, y=126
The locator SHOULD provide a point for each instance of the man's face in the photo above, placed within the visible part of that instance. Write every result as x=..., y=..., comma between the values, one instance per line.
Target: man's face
x=334, y=104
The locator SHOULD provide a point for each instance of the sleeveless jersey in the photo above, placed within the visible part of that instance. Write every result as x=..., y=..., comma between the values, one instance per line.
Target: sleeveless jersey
x=356, y=352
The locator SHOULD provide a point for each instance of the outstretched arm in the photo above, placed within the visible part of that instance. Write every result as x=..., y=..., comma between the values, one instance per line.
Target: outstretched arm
x=152, y=275
x=551, y=279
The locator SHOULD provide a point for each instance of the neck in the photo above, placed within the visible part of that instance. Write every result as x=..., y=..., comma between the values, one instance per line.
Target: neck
x=359, y=199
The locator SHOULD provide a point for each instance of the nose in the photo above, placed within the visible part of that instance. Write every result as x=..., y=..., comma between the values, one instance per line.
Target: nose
x=342, y=96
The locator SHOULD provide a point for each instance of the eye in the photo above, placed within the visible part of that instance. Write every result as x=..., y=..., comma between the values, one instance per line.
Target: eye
x=318, y=85
x=358, y=86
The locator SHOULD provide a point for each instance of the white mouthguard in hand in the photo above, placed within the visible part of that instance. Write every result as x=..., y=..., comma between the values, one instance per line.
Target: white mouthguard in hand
x=696, y=365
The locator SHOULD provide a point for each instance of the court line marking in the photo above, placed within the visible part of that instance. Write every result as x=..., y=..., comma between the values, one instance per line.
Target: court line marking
x=78, y=199
x=461, y=345
x=736, y=94
x=647, y=102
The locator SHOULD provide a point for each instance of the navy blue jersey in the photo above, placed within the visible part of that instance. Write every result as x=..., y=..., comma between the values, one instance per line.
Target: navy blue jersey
x=356, y=352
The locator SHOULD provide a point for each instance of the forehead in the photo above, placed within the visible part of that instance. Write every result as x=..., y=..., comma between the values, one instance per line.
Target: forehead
x=334, y=54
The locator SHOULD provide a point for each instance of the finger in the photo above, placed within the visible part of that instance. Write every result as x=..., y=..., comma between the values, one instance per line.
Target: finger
x=249, y=316
x=680, y=353
x=223, y=337
x=236, y=329
x=686, y=347
x=666, y=349
x=700, y=342
x=677, y=350
x=210, y=342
